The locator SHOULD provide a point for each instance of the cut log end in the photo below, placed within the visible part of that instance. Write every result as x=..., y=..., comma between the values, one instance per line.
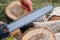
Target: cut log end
x=14, y=10
x=54, y=18
x=38, y=34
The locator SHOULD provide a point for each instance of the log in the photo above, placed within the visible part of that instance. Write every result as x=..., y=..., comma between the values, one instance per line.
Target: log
x=16, y=33
x=38, y=33
x=14, y=10
x=55, y=14
x=54, y=25
x=57, y=36
x=54, y=18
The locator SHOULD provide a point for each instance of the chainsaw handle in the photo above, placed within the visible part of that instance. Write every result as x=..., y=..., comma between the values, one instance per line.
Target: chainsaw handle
x=3, y=31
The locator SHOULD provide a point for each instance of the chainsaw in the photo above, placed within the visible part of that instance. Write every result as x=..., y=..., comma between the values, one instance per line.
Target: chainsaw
x=5, y=29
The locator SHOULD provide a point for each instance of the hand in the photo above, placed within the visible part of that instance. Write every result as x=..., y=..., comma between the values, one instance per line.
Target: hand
x=27, y=4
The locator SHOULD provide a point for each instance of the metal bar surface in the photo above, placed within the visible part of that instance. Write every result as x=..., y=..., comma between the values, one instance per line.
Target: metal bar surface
x=29, y=17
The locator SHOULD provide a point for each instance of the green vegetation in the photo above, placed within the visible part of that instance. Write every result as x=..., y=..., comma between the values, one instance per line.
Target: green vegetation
x=9, y=38
x=5, y=1
x=2, y=13
x=3, y=4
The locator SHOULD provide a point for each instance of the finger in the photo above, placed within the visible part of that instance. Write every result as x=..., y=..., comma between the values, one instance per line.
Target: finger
x=24, y=7
x=30, y=7
x=27, y=5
